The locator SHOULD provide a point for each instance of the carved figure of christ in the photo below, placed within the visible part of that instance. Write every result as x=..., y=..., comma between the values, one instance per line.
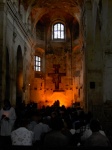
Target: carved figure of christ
x=56, y=76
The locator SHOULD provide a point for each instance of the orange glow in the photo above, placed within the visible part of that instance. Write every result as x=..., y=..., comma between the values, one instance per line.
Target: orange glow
x=64, y=100
x=43, y=98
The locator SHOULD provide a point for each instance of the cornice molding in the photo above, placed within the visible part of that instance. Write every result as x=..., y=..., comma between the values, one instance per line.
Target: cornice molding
x=17, y=19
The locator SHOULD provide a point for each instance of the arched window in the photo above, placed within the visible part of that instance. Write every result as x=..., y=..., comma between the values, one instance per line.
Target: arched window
x=58, y=31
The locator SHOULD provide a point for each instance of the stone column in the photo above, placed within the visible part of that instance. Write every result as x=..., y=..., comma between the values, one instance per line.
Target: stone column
x=107, y=32
x=88, y=47
x=2, y=50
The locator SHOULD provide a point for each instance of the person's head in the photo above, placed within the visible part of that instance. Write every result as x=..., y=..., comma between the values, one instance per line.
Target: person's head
x=36, y=116
x=24, y=122
x=57, y=124
x=95, y=125
x=53, y=114
x=7, y=104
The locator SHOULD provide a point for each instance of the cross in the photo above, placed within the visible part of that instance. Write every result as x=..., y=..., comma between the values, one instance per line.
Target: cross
x=56, y=76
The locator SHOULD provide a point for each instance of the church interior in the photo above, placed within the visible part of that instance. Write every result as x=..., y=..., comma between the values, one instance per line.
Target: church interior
x=57, y=50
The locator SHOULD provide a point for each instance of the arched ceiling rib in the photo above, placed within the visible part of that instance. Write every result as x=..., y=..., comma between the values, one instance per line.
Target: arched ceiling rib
x=52, y=3
x=53, y=8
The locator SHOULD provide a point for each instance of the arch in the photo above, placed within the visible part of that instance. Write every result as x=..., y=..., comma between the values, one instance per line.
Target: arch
x=19, y=76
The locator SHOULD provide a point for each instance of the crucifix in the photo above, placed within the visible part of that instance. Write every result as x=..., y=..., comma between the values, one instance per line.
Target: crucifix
x=56, y=76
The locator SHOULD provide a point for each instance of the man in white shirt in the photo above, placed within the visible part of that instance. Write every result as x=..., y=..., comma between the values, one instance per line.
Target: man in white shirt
x=7, y=120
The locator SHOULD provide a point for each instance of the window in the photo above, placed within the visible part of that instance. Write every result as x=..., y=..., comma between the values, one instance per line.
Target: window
x=58, y=31
x=37, y=63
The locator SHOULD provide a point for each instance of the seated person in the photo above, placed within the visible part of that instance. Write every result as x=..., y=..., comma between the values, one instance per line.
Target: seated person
x=88, y=132
x=22, y=136
x=96, y=139
x=33, y=122
x=39, y=130
x=55, y=138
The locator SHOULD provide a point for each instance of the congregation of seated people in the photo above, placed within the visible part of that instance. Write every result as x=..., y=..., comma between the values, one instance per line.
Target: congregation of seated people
x=51, y=127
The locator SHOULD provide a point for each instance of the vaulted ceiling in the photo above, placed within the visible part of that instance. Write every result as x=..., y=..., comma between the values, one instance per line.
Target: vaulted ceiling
x=50, y=10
